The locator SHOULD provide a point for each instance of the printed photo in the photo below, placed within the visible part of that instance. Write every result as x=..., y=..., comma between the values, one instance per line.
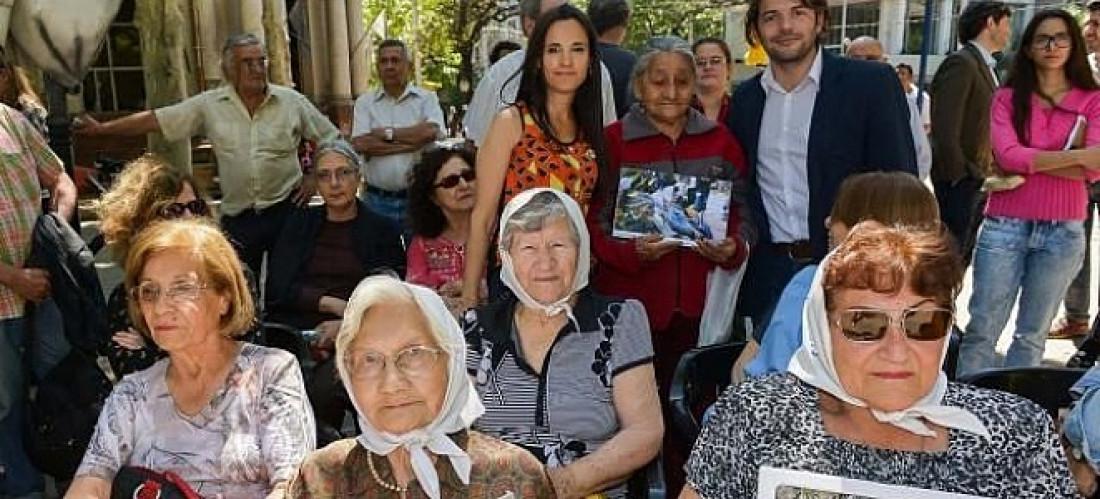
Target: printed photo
x=680, y=207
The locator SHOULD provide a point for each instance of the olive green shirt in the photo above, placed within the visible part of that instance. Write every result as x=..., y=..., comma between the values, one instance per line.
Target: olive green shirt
x=257, y=154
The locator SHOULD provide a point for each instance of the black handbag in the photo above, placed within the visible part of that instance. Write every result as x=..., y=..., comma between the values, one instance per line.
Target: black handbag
x=135, y=482
x=61, y=415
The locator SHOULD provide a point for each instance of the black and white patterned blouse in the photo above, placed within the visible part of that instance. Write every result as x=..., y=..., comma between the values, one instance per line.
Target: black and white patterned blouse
x=775, y=421
x=567, y=412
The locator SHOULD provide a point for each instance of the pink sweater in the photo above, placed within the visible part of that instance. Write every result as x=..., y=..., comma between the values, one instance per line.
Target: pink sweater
x=1042, y=196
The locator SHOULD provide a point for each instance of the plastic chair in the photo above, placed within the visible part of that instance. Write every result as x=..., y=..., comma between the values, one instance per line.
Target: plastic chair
x=1046, y=386
x=700, y=377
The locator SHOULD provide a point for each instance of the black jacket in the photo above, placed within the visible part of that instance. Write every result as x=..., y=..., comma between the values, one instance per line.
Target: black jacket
x=376, y=242
x=74, y=283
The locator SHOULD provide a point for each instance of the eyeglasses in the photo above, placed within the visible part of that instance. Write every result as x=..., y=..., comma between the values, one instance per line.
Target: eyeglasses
x=258, y=62
x=148, y=293
x=339, y=175
x=411, y=362
x=197, y=207
x=452, y=180
x=713, y=61
x=867, y=325
x=1045, y=42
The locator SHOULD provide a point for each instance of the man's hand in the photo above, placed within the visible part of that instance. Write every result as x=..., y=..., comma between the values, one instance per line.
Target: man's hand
x=331, y=305
x=716, y=251
x=652, y=247
x=31, y=284
x=306, y=189
x=85, y=125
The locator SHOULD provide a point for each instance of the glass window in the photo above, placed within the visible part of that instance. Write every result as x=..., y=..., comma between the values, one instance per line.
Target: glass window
x=116, y=81
x=862, y=20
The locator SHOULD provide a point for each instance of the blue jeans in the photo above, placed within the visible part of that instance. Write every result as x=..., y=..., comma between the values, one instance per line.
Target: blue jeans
x=47, y=349
x=391, y=207
x=1077, y=296
x=1032, y=260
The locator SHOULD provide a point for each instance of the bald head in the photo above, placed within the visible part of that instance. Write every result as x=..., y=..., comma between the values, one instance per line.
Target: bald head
x=866, y=48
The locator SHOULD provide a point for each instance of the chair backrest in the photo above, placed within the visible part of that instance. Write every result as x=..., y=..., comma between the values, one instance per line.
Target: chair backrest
x=700, y=376
x=1046, y=386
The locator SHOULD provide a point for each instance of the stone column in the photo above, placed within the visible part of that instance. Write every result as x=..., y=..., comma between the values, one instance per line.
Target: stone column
x=252, y=13
x=340, y=65
x=891, y=25
x=278, y=42
x=360, y=70
x=318, y=52
x=163, y=25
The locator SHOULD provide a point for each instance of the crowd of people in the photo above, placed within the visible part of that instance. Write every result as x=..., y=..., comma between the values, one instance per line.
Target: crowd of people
x=477, y=328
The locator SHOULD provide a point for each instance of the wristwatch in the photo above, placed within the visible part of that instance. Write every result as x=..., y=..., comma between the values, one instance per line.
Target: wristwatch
x=389, y=134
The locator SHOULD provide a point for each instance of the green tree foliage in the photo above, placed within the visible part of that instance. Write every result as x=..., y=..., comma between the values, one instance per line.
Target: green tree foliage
x=450, y=30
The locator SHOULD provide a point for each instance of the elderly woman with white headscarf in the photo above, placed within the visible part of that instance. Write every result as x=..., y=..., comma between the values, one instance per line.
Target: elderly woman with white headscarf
x=865, y=398
x=400, y=354
x=563, y=372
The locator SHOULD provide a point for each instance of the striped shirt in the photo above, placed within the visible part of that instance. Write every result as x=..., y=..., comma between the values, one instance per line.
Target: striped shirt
x=565, y=410
x=24, y=160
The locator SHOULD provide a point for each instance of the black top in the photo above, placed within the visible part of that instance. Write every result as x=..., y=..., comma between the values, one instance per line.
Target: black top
x=375, y=243
x=619, y=62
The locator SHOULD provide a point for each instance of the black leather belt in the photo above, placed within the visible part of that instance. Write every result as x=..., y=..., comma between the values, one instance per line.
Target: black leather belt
x=402, y=194
x=796, y=250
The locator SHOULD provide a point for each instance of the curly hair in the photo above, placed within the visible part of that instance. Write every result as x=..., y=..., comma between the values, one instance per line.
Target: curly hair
x=136, y=198
x=888, y=259
x=425, y=216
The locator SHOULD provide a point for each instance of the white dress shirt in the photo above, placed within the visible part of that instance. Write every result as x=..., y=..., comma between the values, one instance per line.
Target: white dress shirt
x=782, y=151
x=925, y=105
x=378, y=109
x=486, y=100
x=920, y=140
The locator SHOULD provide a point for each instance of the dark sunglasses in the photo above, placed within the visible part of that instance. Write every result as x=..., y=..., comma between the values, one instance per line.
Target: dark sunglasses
x=196, y=207
x=866, y=325
x=452, y=180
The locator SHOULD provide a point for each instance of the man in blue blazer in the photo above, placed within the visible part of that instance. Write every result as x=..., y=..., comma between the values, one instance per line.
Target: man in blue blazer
x=806, y=123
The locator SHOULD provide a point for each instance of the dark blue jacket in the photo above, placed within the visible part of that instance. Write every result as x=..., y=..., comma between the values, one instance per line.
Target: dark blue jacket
x=860, y=123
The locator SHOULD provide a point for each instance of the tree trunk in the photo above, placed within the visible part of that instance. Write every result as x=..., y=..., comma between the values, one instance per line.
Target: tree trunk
x=278, y=42
x=165, y=37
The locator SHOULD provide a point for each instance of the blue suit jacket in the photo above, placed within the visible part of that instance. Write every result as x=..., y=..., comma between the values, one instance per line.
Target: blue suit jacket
x=860, y=123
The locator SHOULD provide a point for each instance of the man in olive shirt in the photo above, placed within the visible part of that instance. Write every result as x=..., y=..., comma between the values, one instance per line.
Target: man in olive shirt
x=255, y=128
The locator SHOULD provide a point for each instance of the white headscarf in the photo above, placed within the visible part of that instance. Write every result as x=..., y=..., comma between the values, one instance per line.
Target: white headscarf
x=580, y=276
x=461, y=405
x=813, y=363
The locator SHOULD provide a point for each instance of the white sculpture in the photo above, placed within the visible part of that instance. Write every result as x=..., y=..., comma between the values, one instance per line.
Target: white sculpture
x=61, y=37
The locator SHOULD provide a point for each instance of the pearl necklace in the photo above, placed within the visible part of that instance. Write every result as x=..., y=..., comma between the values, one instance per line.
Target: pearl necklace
x=386, y=485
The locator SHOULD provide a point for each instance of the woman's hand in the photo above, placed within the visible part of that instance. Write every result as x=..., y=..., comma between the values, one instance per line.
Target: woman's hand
x=326, y=334
x=332, y=305
x=129, y=339
x=716, y=251
x=652, y=247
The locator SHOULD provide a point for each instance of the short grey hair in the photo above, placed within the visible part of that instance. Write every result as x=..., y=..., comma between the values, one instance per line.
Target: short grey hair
x=543, y=209
x=240, y=40
x=341, y=147
x=655, y=47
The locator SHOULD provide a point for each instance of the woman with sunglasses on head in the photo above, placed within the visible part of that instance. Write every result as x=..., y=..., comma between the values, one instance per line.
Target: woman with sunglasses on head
x=1046, y=129
x=441, y=197
x=228, y=417
x=146, y=191
x=551, y=136
x=714, y=63
x=865, y=397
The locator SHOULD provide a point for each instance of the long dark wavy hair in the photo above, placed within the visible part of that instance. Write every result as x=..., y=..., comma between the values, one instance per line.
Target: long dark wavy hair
x=425, y=216
x=587, y=103
x=1023, y=77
